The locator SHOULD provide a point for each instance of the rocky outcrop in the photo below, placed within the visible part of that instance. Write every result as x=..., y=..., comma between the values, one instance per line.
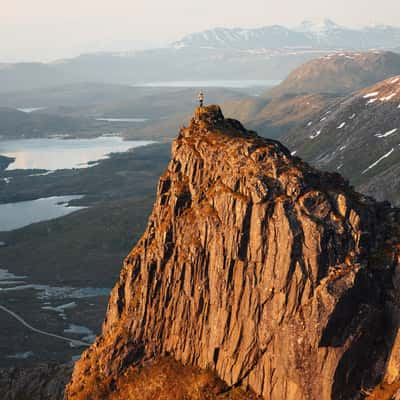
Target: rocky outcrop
x=41, y=382
x=255, y=266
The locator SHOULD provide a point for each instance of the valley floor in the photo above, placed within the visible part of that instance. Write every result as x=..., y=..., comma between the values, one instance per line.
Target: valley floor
x=57, y=274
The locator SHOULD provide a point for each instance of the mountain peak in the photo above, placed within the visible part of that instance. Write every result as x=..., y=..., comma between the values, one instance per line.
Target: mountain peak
x=317, y=25
x=253, y=266
x=209, y=120
x=211, y=114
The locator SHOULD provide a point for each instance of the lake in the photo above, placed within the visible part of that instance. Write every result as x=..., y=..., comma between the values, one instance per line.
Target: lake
x=29, y=110
x=20, y=214
x=234, y=84
x=122, y=119
x=52, y=154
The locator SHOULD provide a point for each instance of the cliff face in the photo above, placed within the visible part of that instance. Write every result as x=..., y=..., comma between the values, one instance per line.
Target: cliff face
x=255, y=266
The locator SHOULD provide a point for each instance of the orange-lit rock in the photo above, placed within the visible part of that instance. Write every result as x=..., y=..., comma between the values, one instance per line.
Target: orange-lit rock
x=255, y=266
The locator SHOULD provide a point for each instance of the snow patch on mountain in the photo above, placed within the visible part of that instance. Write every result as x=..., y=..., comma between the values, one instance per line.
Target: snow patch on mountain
x=379, y=135
x=369, y=95
x=378, y=161
x=316, y=134
x=319, y=26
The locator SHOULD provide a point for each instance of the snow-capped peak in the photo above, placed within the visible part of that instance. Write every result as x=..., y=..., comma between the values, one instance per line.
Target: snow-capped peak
x=317, y=25
x=310, y=34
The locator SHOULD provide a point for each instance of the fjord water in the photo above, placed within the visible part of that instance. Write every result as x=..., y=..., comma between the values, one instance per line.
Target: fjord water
x=17, y=215
x=122, y=119
x=52, y=154
x=227, y=83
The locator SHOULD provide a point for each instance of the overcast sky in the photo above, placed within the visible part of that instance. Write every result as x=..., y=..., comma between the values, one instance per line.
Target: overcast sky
x=51, y=29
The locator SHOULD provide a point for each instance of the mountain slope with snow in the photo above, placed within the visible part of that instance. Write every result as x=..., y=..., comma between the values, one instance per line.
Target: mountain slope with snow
x=358, y=137
x=272, y=37
x=311, y=88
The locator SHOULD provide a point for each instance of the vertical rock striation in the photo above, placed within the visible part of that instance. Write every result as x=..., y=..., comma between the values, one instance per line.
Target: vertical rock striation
x=253, y=265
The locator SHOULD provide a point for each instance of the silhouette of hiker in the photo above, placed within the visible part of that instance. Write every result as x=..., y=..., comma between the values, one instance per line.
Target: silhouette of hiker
x=200, y=97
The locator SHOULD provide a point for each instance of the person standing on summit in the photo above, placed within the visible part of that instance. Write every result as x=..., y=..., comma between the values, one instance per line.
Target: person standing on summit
x=200, y=97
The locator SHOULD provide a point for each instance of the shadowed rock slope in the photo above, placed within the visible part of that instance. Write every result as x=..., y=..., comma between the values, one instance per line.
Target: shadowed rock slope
x=253, y=266
x=358, y=137
x=42, y=382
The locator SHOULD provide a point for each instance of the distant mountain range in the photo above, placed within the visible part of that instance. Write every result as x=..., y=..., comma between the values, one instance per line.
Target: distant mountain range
x=167, y=64
x=267, y=53
x=315, y=35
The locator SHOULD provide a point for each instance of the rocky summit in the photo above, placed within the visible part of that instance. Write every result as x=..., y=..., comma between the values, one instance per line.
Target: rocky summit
x=257, y=275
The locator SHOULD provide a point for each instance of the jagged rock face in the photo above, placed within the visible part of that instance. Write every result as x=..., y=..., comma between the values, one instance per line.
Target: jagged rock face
x=254, y=265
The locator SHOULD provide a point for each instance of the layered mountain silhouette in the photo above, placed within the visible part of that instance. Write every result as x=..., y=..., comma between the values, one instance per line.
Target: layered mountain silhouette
x=311, y=89
x=310, y=34
x=267, y=53
x=257, y=275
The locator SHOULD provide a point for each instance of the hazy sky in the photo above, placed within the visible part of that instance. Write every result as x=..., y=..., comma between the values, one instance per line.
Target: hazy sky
x=50, y=29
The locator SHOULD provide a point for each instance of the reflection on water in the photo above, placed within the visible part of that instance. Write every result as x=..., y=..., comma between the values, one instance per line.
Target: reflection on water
x=17, y=215
x=54, y=154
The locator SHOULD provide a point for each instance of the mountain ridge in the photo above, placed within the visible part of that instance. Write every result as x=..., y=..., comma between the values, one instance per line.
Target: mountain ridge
x=339, y=73
x=311, y=89
x=266, y=53
x=327, y=34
